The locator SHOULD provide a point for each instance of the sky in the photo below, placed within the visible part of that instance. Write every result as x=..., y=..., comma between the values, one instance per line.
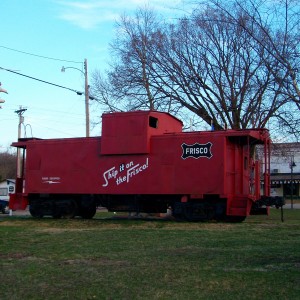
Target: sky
x=37, y=38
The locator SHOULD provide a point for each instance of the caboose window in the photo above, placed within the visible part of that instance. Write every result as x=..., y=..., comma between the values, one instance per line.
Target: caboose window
x=153, y=122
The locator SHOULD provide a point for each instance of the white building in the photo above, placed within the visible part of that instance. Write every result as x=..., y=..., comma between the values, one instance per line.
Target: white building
x=285, y=170
x=7, y=187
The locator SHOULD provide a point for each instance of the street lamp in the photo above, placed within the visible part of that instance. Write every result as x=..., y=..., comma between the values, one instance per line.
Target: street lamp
x=292, y=165
x=2, y=91
x=86, y=93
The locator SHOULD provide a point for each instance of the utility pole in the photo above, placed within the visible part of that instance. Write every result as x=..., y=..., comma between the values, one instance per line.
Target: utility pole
x=20, y=113
x=86, y=94
x=292, y=165
x=87, y=110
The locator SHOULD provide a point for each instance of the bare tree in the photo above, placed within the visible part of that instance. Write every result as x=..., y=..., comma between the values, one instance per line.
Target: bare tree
x=129, y=78
x=212, y=68
x=279, y=36
x=8, y=166
x=217, y=63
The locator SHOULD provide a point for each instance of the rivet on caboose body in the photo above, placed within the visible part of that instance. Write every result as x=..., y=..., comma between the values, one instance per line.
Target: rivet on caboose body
x=144, y=162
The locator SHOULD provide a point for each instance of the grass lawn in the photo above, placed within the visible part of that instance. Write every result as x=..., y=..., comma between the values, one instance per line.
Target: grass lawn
x=107, y=258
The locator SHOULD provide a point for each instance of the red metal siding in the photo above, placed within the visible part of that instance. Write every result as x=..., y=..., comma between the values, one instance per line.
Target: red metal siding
x=130, y=132
x=74, y=166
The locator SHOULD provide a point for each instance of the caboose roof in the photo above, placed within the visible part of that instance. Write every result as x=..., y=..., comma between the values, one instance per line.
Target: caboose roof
x=130, y=132
x=141, y=113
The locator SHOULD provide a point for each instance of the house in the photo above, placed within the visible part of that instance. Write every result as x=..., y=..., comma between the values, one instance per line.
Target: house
x=7, y=187
x=285, y=170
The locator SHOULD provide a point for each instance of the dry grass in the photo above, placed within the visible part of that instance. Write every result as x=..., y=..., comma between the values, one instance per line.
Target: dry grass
x=111, y=258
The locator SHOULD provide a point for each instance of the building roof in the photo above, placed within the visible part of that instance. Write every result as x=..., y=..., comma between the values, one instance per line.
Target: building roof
x=281, y=178
x=8, y=181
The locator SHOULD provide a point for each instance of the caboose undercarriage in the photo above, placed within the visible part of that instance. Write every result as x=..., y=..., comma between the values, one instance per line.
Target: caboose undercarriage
x=182, y=207
x=61, y=206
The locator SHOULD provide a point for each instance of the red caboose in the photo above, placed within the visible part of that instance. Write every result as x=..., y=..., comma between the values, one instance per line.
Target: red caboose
x=143, y=162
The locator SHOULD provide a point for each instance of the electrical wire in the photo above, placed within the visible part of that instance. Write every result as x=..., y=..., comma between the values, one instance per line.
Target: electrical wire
x=47, y=82
x=41, y=56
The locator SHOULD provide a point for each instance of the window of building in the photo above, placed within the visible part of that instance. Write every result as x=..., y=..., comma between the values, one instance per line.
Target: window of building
x=287, y=188
x=3, y=191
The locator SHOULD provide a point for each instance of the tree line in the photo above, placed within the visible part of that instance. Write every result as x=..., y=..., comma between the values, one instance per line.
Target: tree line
x=230, y=64
x=8, y=165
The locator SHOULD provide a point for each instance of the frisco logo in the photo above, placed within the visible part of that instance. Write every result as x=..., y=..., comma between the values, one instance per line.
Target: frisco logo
x=124, y=173
x=196, y=150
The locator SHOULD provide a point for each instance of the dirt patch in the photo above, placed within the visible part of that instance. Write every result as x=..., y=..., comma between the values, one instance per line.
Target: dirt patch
x=55, y=230
x=97, y=261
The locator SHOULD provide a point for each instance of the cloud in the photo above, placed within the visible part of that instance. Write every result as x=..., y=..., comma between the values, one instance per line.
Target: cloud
x=90, y=14
x=87, y=14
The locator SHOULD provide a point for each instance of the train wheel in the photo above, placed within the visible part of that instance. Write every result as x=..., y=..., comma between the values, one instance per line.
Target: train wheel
x=56, y=215
x=88, y=212
x=35, y=211
x=195, y=212
x=235, y=219
x=69, y=210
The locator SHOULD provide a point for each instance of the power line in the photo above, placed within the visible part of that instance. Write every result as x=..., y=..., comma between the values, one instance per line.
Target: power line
x=47, y=82
x=41, y=56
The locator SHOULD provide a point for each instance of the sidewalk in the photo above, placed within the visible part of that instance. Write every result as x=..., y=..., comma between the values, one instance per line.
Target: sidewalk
x=289, y=206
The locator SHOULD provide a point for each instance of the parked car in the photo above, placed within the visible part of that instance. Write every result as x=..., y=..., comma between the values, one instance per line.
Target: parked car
x=4, y=206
